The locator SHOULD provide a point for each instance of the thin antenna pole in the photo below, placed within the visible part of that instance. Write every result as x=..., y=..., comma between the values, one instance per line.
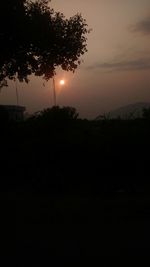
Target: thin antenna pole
x=17, y=95
x=54, y=91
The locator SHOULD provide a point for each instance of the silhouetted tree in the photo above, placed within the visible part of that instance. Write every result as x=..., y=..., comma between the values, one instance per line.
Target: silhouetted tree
x=34, y=39
x=57, y=114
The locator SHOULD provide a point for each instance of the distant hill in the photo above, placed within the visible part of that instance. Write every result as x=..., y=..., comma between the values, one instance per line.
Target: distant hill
x=131, y=111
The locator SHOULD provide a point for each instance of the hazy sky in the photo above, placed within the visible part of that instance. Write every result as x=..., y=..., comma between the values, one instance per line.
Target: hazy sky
x=116, y=69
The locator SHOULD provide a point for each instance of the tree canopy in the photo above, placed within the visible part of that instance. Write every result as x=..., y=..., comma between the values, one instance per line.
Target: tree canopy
x=34, y=39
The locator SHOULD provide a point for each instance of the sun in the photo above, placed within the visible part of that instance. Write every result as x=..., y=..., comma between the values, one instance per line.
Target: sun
x=62, y=82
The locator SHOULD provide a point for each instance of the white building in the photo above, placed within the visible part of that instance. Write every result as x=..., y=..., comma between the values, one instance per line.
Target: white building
x=14, y=113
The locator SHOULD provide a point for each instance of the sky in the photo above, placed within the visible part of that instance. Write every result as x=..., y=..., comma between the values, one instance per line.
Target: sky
x=116, y=69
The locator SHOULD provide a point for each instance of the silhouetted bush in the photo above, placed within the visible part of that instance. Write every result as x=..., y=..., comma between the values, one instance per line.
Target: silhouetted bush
x=55, y=117
x=59, y=114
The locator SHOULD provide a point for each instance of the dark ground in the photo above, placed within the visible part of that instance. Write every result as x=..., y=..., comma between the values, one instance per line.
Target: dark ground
x=65, y=180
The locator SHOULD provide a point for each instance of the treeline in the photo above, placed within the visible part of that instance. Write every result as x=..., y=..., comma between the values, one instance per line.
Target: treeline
x=55, y=151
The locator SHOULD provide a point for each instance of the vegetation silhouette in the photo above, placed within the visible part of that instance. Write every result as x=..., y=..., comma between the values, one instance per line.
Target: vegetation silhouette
x=57, y=115
x=68, y=153
x=34, y=39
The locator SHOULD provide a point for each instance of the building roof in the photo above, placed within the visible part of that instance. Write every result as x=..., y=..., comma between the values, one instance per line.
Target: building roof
x=13, y=108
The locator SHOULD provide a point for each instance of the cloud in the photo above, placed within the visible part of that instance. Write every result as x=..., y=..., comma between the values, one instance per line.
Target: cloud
x=142, y=26
x=124, y=65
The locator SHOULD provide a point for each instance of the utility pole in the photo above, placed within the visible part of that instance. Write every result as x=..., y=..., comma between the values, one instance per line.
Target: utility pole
x=54, y=91
x=17, y=95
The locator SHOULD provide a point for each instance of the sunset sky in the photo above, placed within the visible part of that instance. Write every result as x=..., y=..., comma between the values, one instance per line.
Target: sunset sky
x=114, y=72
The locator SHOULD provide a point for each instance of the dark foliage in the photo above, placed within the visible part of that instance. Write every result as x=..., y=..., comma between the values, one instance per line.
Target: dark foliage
x=57, y=151
x=58, y=115
x=34, y=39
